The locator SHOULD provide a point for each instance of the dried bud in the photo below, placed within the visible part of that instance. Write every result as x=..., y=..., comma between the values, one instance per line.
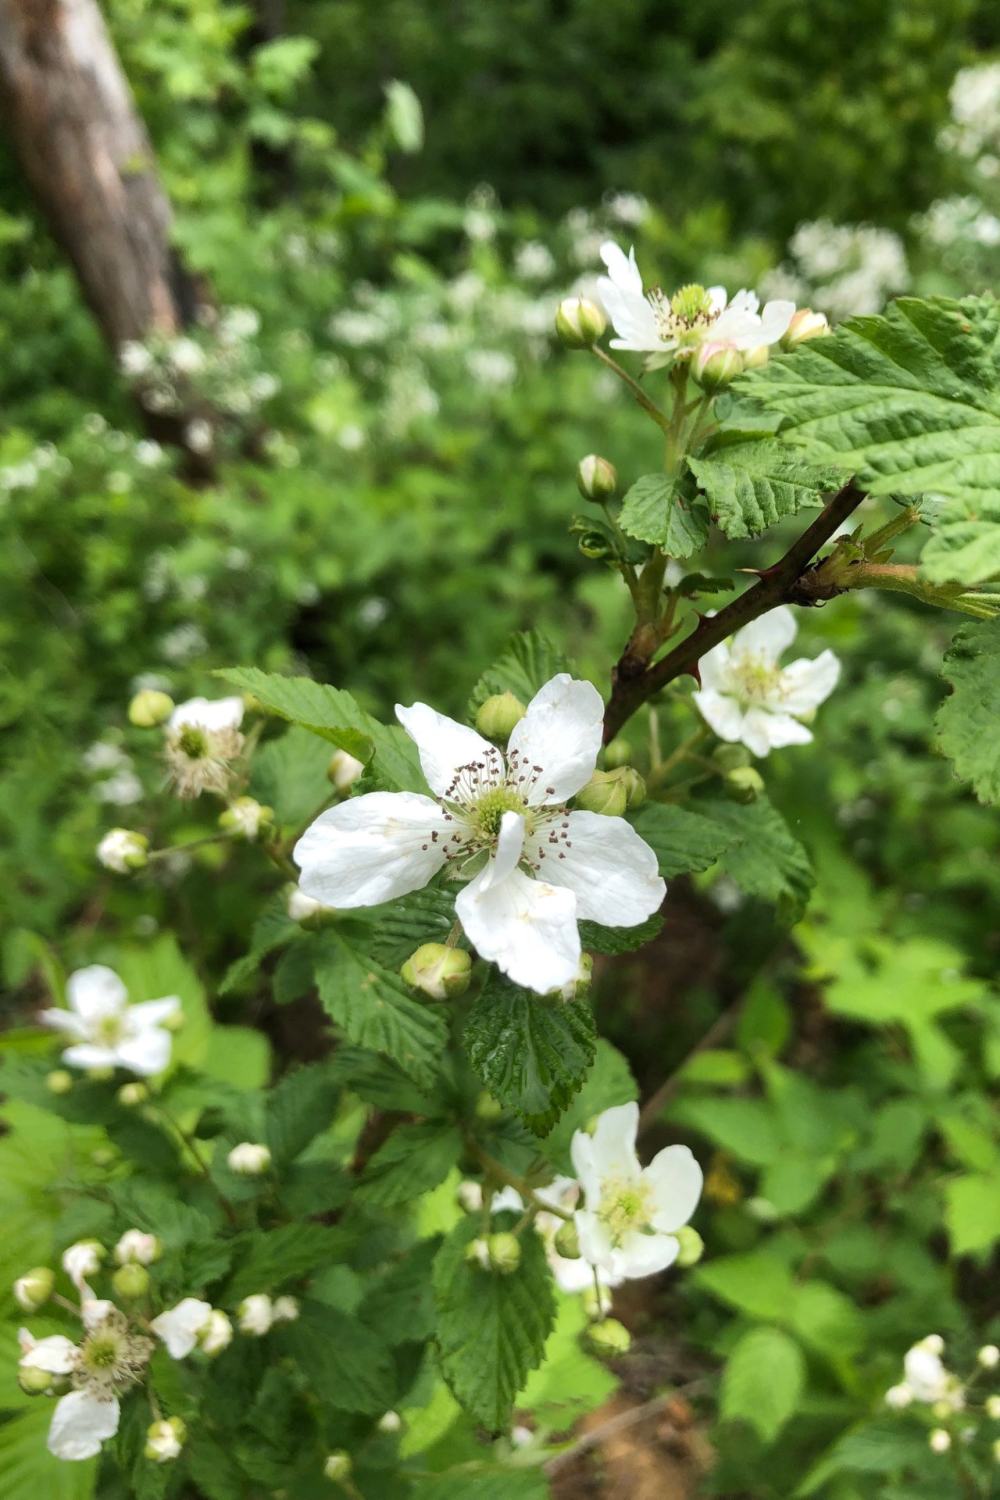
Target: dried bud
x=716, y=366
x=504, y=1250
x=439, y=971
x=248, y=1159
x=604, y=793
x=692, y=1246
x=579, y=323
x=34, y=1289
x=150, y=708
x=338, y=1465
x=596, y=479
x=567, y=1241
x=123, y=851
x=805, y=324
x=131, y=1281
x=499, y=716
x=164, y=1440
x=344, y=770
x=244, y=818
x=609, y=1338
x=743, y=784
x=59, y=1081
x=131, y=1095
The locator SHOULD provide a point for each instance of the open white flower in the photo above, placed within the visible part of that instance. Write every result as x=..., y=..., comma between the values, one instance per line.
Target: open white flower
x=256, y=1314
x=499, y=822
x=107, y=1031
x=108, y=1362
x=180, y=1327
x=570, y=1275
x=747, y=697
x=80, y=1424
x=672, y=327
x=632, y=1212
x=203, y=738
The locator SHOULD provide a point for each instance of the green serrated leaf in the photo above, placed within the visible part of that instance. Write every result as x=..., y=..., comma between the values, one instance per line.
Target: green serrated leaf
x=763, y=1381
x=415, y=1159
x=684, y=842
x=335, y=716
x=887, y=1447
x=288, y=774
x=527, y=664
x=968, y=722
x=375, y=1010
x=345, y=1362
x=298, y=1108
x=273, y=928
x=972, y=1212
x=467, y=1483
x=400, y=927
x=751, y=486
x=763, y=857
x=655, y=510
x=274, y=1257
x=613, y=940
x=401, y=1305
x=491, y=1328
x=28, y=1471
x=531, y=1055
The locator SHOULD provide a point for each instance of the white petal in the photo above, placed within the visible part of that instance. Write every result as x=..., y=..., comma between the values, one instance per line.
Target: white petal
x=526, y=927
x=93, y=1310
x=445, y=747
x=80, y=1424
x=151, y=1012
x=676, y=1180
x=87, y=1055
x=510, y=844
x=621, y=268
x=64, y=1020
x=775, y=320
x=806, y=684
x=582, y=1153
x=614, y=1141
x=595, y=1242
x=612, y=871
x=644, y=1255
x=561, y=734
x=736, y=328
x=633, y=320
x=372, y=849
x=763, y=731
x=769, y=636
x=717, y=298
x=146, y=1053
x=745, y=302
x=96, y=992
x=179, y=1328
x=715, y=668
x=56, y=1354
x=721, y=713
x=207, y=713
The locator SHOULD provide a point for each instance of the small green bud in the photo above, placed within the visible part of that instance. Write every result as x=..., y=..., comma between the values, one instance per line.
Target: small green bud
x=131, y=1281
x=567, y=1241
x=992, y=1407
x=438, y=971
x=635, y=787
x=692, y=1246
x=596, y=478
x=805, y=324
x=34, y=1289
x=504, y=1250
x=252, y=704
x=338, y=1465
x=477, y=1254
x=716, y=366
x=604, y=793
x=150, y=708
x=488, y=1108
x=59, y=1081
x=165, y=1439
x=579, y=323
x=176, y=1021
x=743, y=784
x=131, y=1095
x=729, y=757
x=609, y=1338
x=245, y=818
x=103, y=1156
x=35, y=1382
x=499, y=715
x=617, y=753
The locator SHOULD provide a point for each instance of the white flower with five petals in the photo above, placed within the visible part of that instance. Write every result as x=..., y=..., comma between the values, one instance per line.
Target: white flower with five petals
x=672, y=327
x=107, y=1031
x=628, y=1224
x=499, y=822
x=747, y=697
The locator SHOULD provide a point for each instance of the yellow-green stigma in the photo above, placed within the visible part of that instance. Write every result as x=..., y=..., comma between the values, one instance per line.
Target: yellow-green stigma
x=491, y=807
x=192, y=741
x=691, y=304
x=754, y=679
x=624, y=1206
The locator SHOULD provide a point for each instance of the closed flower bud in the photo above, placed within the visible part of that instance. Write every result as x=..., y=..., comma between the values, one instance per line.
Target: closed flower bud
x=469, y=1196
x=138, y=1247
x=439, y=971
x=596, y=479
x=567, y=1241
x=942, y=1410
x=899, y=1397
x=131, y=1095
x=248, y=1159
x=307, y=910
x=579, y=323
x=499, y=716
x=504, y=1250
x=618, y=752
x=934, y=1342
x=150, y=708
x=939, y=1440
x=338, y=1465
x=989, y=1356
x=743, y=784
x=756, y=359
x=131, y=1281
x=59, y=1081
x=635, y=787
x=692, y=1246
x=256, y=1314
x=35, y=1382
x=216, y=1335
x=596, y=1301
x=609, y=1338
x=390, y=1421
x=123, y=851
x=286, y=1309
x=604, y=793
x=477, y=1253
x=344, y=770
x=244, y=818
x=995, y=1450
x=805, y=324
x=993, y=1408
x=34, y=1288
x=164, y=1440
x=729, y=757
x=488, y=1108
x=716, y=366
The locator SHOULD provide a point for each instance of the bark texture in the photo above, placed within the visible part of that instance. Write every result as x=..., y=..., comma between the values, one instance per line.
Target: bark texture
x=73, y=121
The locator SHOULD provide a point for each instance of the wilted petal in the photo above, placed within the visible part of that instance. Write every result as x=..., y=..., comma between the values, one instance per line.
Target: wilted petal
x=526, y=927
x=561, y=734
x=372, y=849
x=445, y=747
x=612, y=871
x=676, y=1180
x=96, y=992
x=81, y=1422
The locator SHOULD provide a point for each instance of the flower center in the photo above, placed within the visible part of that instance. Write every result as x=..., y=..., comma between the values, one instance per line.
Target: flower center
x=108, y=1030
x=686, y=316
x=755, y=680
x=624, y=1206
x=112, y=1358
x=192, y=741
x=491, y=807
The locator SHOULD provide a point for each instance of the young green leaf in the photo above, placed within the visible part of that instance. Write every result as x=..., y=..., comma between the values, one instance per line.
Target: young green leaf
x=763, y=857
x=655, y=510
x=684, y=842
x=344, y=1361
x=753, y=485
x=528, y=663
x=415, y=1159
x=763, y=1381
x=968, y=722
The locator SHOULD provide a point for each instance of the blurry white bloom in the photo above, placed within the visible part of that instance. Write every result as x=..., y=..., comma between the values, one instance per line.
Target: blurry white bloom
x=149, y=453
x=510, y=809
x=479, y=225
x=747, y=697
x=898, y=1397
x=203, y=739
x=668, y=328
x=186, y=356
x=198, y=435
x=628, y=208
x=351, y=437
x=180, y=1327
x=239, y=323
x=121, y=790
x=358, y=328
x=109, y=1361
x=256, y=1314
x=534, y=261
x=183, y=642
x=627, y=1226
x=491, y=367
x=845, y=270
x=82, y=1260
x=466, y=290
x=94, y=424
x=164, y=1440
x=134, y=359
x=959, y=219
x=216, y=1334
x=248, y=1159
x=521, y=1437
x=137, y=1247
x=927, y=1377
x=940, y=1440
x=975, y=110
x=988, y=1356
x=372, y=611
x=107, y=1031
x=245, y=817
x=103, y=756
x=285, y=1310
x=122, y=850
x=344, y=770
x=119, y=483
x=19, y=476
x=571, y=1275
x=390, y=1421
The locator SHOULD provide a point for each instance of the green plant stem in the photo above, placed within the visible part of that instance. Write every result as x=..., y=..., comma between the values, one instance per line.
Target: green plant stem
x=630, y=689
x=189, y=1143
x=659, y=774
x=521, y=1185
x=659, y=417
x=877, y=540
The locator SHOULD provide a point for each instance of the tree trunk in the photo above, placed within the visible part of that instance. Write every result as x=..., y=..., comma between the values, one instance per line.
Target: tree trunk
x=84, y=149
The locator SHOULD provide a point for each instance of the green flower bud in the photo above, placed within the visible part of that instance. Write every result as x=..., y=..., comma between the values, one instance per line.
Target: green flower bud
x=59, y=1081
x=805, y=324
x=34, y=1288
x=165, y=1439
x=131, y=1281
x=635, y=787
x=389, y=1421
x=567, y=1241
x=338, y=1465
x=692, y=1246
x=593, y=543
x=131, y=1095
x=596, y=479
x=35, y=1382
x=504, y=1250
x=439, y=971
x=604, y=793
x=756, y=359
x=150, y=708
x=245, y=818
x=499, y=715
x=716, y=366
x=477, y=1254
x=252, y=704
x=176, y=1021
x=617, y=753
x=488, y=1108
x=728, y=757
x=609, y=1338
x=743, y=784
x=579, y=323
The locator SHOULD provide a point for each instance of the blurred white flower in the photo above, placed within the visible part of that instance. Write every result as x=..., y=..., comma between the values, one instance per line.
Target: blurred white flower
x=198, y=435
x=216, y=1334
x=122, y=850
x=256, y=1314
x=285, y=1310
x=81, y=1261
x=107, y=1031
x=491, y=367
x=203, y=740
x=137, y=1247
x=249, y=1159
x=630, y=209
x=180, y=1327
x=186, y=356
x=149, y=453
x=134, y=359
x=164, y=1440
x=534, y=261
x=183, y=642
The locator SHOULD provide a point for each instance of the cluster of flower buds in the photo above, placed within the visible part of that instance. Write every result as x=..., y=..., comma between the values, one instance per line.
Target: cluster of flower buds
x=258, y=1313
x=949, y=1401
